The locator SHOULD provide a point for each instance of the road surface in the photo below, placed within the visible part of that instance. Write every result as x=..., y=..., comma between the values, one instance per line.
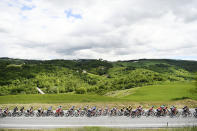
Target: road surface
x=105, y=121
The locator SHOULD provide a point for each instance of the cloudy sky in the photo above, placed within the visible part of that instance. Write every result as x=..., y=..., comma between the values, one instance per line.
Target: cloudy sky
x=93, y=29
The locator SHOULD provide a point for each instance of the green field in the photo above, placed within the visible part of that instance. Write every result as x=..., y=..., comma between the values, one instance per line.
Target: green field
x=56, y=98
x=104, y=129
x=163, y=92
x=153, y=93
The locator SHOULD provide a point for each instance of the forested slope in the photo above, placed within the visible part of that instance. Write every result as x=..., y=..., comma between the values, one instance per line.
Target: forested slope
x=18, y=76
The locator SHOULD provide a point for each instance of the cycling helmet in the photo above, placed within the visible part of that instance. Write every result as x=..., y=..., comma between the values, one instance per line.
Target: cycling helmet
x=172, y=107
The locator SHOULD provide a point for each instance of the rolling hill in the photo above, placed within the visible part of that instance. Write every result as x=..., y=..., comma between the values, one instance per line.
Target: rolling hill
x=19, y=76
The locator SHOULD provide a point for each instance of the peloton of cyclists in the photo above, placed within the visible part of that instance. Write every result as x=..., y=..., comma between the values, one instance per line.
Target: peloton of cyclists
x=93, y=111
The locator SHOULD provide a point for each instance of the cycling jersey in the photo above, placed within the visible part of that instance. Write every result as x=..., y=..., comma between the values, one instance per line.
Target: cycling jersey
x=58, y=110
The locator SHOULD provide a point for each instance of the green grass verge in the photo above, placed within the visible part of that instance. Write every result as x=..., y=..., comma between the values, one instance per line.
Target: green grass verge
x=104, y=129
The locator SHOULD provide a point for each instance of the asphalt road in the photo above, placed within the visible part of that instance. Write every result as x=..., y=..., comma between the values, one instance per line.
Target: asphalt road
x=122, y=122
x=104, y=121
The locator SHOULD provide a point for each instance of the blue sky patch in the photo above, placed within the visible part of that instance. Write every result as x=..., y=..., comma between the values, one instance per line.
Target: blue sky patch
x=28, y=0
x=10, y=5
x=25, y=7
x=69, y=14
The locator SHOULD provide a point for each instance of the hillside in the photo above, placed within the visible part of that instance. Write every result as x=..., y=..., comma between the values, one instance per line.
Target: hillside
x=18, y=76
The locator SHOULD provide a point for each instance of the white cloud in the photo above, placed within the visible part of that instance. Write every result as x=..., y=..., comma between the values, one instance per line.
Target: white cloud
x=112, y=29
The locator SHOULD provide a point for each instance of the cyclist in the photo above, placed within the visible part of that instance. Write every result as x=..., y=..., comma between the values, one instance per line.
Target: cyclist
x=6, y=111
x=31, y=110
x=106, y=110
x=151, y=109
x=78, y=111
x=100, y=110
x=15, y=109
x=185, y=109
x=22, y=109
x=195, y=113
x=40, y=111
x=129, y=109
x=72, y=109
x=173, y=110
x=89, y=112
x=165, y=110
x=122, y=109
x=94, y=108
x=49, y=110
x=115, y=110
x=139, y=108
x=85, y=108
x=159, y=111
x=59, y=109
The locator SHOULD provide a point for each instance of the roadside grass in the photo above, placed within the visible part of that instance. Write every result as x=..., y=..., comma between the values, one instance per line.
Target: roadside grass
x=105, y=129
x=65, y=106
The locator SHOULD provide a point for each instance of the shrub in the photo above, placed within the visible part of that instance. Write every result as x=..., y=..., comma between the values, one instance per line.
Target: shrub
x=81, y=90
